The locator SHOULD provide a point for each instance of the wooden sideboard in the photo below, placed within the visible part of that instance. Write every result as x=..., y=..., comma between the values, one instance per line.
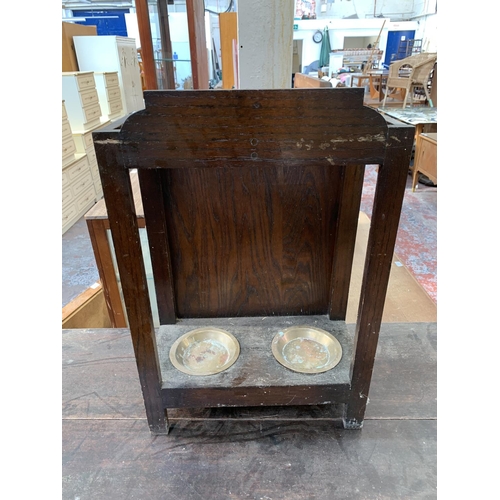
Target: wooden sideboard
x=425, y=158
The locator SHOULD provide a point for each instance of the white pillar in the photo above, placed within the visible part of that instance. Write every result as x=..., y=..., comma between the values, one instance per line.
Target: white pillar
x=265, y=43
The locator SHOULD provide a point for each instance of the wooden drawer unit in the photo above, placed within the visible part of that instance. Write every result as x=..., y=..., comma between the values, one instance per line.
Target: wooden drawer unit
x=82, y=183
x=78, y=191
x=92, y=115
x=68, y=143
x=85, y=200
x=69, y=216
x=89, y=98
x=112, y=79
x=114, y=108
x=115, y=57
x=108, y=88
x=68, y=151
x=66, y=129
x=92, y=158
x=113, y=94
x=425, y=158
x=85, y=146
x=77, y=168
x=84, y=80
x=94, y=170
x=83, y=142
x=81, y=99
x=67, y=197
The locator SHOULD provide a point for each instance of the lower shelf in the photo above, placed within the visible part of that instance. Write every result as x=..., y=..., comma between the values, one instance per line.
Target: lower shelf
x=257, y=378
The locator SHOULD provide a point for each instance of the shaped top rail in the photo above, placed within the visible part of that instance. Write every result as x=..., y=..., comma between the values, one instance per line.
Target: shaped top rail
x=235, y=128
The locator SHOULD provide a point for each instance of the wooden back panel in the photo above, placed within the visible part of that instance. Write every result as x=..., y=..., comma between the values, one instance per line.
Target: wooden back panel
x=251, y=198
x=252, y=241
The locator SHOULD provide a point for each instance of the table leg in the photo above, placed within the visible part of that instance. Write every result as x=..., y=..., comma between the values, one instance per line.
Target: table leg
x=373, y=90
x=381, y=94
x=418, y=130
x=104, y=261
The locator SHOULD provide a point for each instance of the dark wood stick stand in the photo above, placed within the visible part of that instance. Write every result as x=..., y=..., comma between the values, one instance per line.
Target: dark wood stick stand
x=251, y=200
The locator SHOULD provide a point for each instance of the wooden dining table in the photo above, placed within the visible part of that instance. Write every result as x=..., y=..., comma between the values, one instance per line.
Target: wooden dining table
x=376, y=80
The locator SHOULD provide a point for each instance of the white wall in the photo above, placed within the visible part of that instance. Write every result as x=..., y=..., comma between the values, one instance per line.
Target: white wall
x=365, y=9
x=424, y=7
x=427, y=31
x=340, y=28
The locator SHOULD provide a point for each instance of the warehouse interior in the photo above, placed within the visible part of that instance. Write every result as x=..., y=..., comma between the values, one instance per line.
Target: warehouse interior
x=115, y=54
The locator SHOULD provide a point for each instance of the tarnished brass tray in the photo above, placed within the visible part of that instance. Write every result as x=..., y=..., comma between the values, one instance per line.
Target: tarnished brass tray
x=204, y=351
x=306, y=349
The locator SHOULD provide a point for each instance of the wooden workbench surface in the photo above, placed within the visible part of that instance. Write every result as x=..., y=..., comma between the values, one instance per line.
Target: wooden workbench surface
x=295, y=453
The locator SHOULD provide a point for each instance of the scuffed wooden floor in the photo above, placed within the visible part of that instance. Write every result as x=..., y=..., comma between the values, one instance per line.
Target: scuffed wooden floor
x=251, y=453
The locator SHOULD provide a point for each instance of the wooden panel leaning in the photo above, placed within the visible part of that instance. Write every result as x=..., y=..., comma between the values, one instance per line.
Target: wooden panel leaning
x=251, y=200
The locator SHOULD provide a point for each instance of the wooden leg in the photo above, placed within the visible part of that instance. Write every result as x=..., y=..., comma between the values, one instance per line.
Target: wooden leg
x=104, y=262
x=428, y=96
x=405, y=99
x=158, y=422
x=418, y=130
x=391, y=181
x=385, y=96
x=125, y=233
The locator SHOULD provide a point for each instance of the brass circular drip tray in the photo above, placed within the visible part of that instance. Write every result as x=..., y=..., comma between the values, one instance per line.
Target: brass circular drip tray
x=306, y=349
x=204, y=351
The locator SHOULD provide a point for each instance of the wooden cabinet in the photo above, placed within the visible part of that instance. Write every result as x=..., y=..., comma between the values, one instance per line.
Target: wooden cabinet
x=78, y=193
x=68, y=144
x=113, y=53
x=84, y=144
x=81, y=100
x=80, y=176
x=425, y=158
x=108, y=89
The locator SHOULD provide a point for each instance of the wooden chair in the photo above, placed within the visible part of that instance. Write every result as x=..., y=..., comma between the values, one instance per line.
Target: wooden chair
x=251, y=200
x=410, y=73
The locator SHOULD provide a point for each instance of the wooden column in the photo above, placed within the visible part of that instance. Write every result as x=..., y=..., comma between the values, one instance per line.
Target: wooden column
x=228, y=23
x=197, y=43
x=166, y=46
x=141, y=6
x=265, y=44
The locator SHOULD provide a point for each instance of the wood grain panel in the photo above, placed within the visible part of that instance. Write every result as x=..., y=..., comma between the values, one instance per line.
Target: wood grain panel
x=151, y=182
x=252, y=241
x=238, y=128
